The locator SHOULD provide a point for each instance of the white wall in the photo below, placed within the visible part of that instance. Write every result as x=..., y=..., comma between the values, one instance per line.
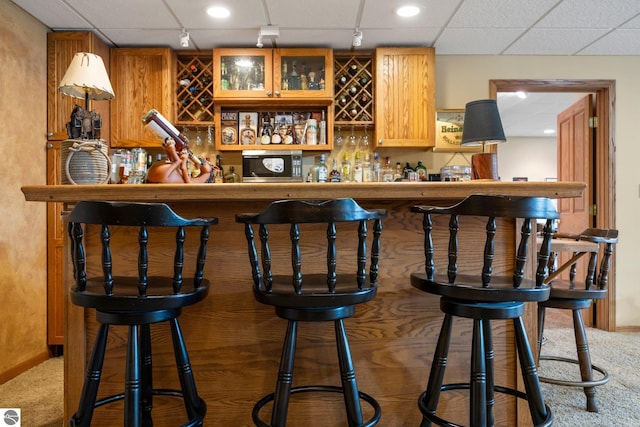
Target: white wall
x=460, y=79
x=534, y=158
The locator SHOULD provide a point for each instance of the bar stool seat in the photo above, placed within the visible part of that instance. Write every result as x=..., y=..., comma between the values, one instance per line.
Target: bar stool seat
x=577, y=296
x=469, y=289
x=136, y=301
x=324, y=293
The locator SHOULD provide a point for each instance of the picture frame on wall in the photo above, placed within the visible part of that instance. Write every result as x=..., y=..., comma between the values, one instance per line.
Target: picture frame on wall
x=449, y=125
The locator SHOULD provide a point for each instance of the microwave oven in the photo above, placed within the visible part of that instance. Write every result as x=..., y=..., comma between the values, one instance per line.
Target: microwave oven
x=272, y=166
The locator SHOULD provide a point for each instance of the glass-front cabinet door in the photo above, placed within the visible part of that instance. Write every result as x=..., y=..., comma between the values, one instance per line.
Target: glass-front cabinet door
x=243, y=73
x=303, y=73
x=250, y=74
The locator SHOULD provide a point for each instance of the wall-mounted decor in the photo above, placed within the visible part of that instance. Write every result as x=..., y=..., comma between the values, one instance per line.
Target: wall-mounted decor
x=449, y=124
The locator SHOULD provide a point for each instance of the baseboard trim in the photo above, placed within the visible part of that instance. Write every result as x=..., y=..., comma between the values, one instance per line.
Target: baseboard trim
x=23, y=367
x=635, y=328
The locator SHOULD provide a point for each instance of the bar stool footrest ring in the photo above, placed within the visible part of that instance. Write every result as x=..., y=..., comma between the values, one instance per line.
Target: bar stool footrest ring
x=431, y=416
x=255, y=414
x=197, y=421
x=592, y=383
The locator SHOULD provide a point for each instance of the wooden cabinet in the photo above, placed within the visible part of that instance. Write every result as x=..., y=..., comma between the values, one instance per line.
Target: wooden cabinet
x=289, y=86
x=142, y=79
x=405, y=97
x=61, y=48
x=260, y=74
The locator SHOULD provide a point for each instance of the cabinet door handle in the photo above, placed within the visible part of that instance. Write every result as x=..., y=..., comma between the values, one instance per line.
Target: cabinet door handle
x=277, y=93
x=380, y=141
x=269, y=93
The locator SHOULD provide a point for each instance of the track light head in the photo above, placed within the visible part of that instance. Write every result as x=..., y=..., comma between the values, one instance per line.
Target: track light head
x=357, y=38
x=183, y=38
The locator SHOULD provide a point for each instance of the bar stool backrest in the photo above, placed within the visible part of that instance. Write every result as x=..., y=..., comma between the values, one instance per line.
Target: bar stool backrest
x=528, y=209
x=144, y=217
x=296, y=214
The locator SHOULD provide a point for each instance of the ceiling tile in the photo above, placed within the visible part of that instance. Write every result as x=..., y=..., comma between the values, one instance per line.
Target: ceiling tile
x=144, y=14
x=56, y=15
x=590, y=14
x=553, y=41
x=381, y=14
x=244, y=14
x=618, y=42
x=499, y=13
x=313, y=14
x=459, y=41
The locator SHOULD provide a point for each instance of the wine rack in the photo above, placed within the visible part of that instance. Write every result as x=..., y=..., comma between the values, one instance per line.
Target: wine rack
x=353, y=103
x=194, y=89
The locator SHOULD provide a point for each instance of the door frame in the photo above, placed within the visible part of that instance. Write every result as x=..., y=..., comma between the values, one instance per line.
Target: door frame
x=604, y=175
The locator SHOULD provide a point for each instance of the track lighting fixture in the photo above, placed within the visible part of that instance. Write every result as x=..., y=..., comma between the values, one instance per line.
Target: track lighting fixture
x=357, y=38
x=183, y=38
x=267, y=31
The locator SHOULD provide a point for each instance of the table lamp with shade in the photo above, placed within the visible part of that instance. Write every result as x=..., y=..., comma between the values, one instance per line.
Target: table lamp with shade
x=482, y=126
x=86, y=78
x=84, y=157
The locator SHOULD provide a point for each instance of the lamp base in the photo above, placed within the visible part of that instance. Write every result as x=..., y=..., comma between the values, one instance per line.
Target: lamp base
x=484, y=166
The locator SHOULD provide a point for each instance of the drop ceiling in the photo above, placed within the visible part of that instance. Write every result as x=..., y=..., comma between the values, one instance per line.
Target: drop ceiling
x=453, y=27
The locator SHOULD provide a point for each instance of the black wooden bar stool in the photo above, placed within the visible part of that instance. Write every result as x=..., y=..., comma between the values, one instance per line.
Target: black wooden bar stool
x=136, y=301
x=326, y=294
x=576, y=296
x=468, y=288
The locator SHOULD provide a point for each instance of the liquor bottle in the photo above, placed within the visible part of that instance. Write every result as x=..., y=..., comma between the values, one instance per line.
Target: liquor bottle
x=322, y=172
x=353, y=90
x=194, y=69
x=224, y=77
x=285, y=77
x=367, y=170
x=387, y=171
x=364, y=80
x=334, y=175
x=357, y=169
x=232, y=176
x=345, y=169
x=218, y=176
x=353, y=69
x=322, y=131
x=247, y=134
x=421, y=170
x=265, y=135
x=407, y=170
x=397, y=174
x=363, y=100
x=294, y=78
x=341, y=80
x=376, y=169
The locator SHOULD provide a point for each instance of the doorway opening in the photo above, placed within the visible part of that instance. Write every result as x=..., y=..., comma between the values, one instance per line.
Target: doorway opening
x=603, y=186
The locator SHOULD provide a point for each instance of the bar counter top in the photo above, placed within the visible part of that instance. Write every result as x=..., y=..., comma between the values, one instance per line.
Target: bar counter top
x=266, y=191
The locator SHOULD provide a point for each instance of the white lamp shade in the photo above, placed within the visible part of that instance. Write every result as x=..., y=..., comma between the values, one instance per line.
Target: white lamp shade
x=87, y=75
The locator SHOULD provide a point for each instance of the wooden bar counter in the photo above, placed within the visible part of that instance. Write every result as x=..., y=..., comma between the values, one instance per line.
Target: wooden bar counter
x=234, y=342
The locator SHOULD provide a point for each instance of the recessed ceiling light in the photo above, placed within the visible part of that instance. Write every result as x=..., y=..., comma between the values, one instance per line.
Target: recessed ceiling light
x=218, y=12
x=407, y=11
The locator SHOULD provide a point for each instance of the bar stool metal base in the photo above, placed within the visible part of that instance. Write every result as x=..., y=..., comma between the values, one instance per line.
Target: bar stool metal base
x=433, y=418
x=255, y=414
x=582, y=384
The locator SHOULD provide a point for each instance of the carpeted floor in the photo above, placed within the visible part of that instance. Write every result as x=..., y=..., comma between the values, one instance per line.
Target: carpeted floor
x=39, y=391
